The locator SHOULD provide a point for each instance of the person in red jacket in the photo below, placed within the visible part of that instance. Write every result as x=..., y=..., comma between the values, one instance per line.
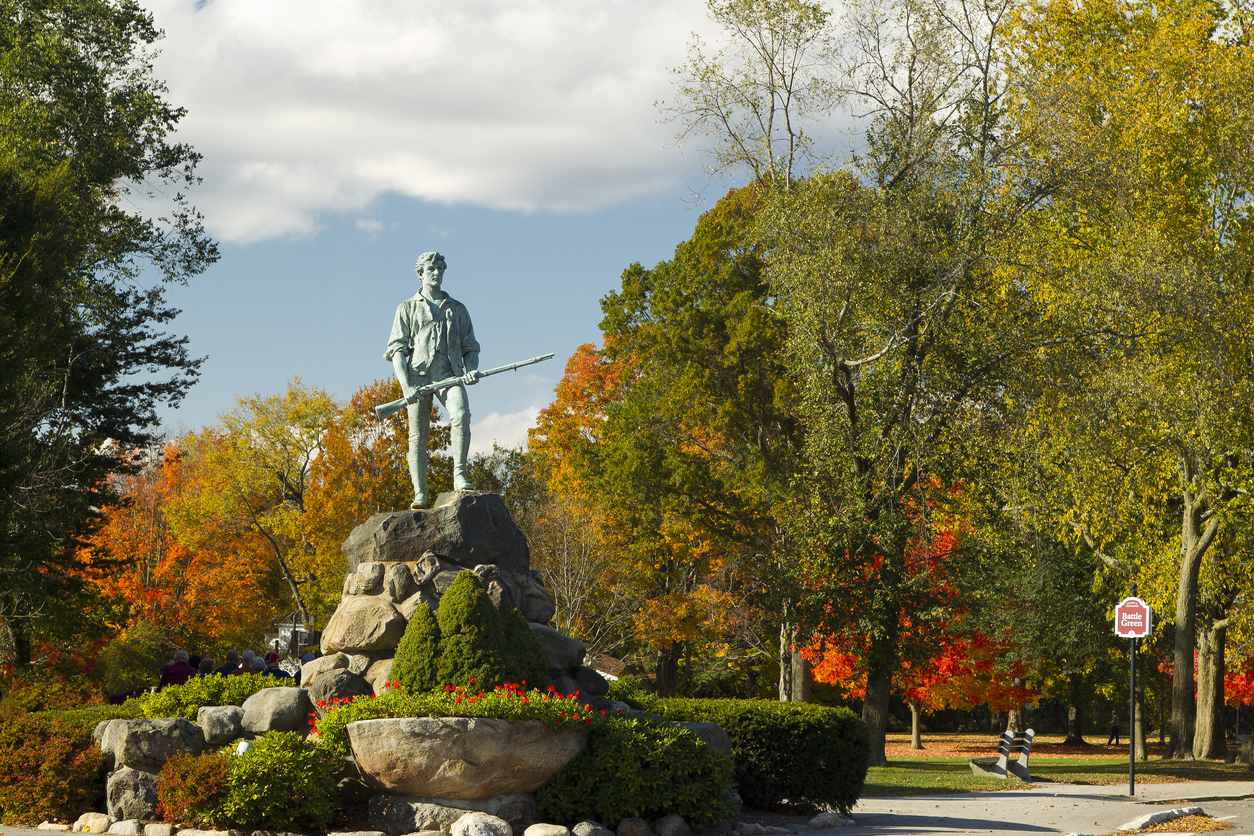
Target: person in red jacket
x=177, y=672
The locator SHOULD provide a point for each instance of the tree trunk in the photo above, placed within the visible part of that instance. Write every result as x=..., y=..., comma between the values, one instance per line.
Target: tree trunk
x=881, y=661
x=794, y=671
x=1197, y=531
x=1075, y=726
x=916, y=710
x=1209, y=740
x=19, y=641
x=1017, y=717
x=668, y=680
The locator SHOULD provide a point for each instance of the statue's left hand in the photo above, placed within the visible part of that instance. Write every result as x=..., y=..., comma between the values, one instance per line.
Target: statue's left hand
x=471, y=377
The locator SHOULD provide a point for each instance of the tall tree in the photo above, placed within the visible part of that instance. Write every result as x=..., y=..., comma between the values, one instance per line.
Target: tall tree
x=254, y=473
x=84, y=144
x=1158, y=100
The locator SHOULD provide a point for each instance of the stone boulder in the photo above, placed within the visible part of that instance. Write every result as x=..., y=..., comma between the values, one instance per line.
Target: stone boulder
x=397, y=814
x=220, y=724
x=131, y=794
x=560, y=652
x=590, y=681
x=466, y=527
x=634, y=826
x=591, y=828
x=672, y=824
x=480, y=824
x=545, y=829
x=284, y=708
x=311, y=670
x=712, y=733
x=537, y=604
x=146, y=744
x=93, y=823
x=363, y=623
x=338, y=684
x=459, y=757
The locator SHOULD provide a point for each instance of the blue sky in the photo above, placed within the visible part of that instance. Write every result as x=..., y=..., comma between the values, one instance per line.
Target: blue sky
x=341, y=138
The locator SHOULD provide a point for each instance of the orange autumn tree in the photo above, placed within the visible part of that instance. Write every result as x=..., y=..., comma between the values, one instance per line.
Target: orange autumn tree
x=942, y=663
x=201, y=593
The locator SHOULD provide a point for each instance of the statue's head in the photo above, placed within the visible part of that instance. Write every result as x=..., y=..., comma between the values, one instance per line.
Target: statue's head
x=432, y=258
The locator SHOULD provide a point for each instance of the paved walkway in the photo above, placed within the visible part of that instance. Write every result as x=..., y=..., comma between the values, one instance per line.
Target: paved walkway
x=1037, y=808
x=1043, y=808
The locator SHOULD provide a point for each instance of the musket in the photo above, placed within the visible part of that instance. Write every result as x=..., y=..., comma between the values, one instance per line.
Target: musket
x=387, y=410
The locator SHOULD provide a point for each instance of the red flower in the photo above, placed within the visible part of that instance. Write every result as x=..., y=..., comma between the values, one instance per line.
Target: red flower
x=472, y=680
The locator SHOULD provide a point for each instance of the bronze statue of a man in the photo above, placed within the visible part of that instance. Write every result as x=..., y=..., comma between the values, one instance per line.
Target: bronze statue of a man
x=432, y=340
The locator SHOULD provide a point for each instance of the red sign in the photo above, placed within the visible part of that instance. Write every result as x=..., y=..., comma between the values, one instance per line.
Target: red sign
x=1132, y=619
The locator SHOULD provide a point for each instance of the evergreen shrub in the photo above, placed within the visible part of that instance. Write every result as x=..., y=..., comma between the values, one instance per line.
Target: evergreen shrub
x=186, y=699
x=468, y=640
x=805, y=755
x=49, y=768
x=132, y=659
x=627, y=690
x=281, y=783
x=636, y=767
x=191, y=788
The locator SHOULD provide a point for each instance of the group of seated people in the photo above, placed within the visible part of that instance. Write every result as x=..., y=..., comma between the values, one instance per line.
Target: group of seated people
x=185, y=667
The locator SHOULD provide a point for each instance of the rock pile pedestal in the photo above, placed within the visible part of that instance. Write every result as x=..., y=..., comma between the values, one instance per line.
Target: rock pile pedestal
x=400, y=561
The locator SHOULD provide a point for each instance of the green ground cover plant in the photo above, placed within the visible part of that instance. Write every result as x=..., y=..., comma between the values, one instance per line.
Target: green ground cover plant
x=186, y=699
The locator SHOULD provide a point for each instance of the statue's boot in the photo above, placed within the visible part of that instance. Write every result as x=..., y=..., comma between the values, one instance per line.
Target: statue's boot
x=461, y=452
x=418, y=469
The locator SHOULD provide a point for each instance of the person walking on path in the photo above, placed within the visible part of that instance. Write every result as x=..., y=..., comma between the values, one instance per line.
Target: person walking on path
x=1114, y=729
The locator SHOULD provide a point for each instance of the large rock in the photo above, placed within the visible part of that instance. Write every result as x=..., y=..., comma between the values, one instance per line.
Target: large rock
x=339, y=685
x=397, y=814
x=590, y=681
x=363, y=623
x=397, y=582
x=467, y=527
x=712, y=733
x=310, y=671
x=220, y=724
x=672, y=824
x=93, y=823
x=131, y=794
x=277, y=709
x=459, y=757
x=147, y=744
x=561, y=652
x=537, y=604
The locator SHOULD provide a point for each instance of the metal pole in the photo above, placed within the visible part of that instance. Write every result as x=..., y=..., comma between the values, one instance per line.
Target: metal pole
x=1132, y=715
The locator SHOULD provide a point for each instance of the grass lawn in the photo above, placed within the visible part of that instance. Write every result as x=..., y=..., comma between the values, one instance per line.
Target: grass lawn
x=941, y=767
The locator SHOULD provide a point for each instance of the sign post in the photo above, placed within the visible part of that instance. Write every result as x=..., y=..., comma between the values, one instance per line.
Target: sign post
x=1132, y=621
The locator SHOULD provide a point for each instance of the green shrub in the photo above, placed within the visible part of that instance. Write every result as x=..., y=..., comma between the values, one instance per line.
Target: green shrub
x=191, y=788
x=505, y=702
x=628, y=690
x=468, y=640
x=635, y=767
x=524, y=657
x=808, y=755
x=186, y=699
x=90, y=716
x=131, y=660
x=49, y=768
x=281, y=783
x=414, y=665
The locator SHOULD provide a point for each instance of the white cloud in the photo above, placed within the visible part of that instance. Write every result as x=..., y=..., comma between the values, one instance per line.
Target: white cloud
x=302, y=107
x=509, y=430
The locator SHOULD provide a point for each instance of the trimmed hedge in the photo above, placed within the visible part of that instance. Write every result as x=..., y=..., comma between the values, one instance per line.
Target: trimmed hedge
x=787, y=753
